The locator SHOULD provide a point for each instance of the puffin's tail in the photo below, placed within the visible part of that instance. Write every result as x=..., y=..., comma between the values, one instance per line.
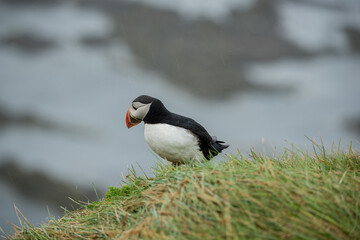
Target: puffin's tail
x=217, y=146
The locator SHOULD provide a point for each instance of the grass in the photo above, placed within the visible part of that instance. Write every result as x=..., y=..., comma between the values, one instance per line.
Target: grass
x=291, y=195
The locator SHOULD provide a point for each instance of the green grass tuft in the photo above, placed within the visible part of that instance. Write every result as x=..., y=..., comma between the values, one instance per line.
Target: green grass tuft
x=130, y=189
x=291, y=195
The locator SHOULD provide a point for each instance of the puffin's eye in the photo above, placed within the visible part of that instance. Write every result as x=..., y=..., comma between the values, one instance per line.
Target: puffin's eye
x=135, y=108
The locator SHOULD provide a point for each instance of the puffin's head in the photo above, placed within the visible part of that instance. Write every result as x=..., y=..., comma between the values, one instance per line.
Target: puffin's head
x=138, y=110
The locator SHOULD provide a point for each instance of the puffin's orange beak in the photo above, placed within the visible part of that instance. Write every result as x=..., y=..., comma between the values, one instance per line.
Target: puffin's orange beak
x=131, y=121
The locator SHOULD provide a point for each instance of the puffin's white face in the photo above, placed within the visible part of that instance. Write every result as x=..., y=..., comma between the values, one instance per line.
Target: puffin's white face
x=136, y=113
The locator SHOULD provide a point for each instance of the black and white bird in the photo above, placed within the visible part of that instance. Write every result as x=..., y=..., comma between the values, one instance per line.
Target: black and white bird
x=173, y=137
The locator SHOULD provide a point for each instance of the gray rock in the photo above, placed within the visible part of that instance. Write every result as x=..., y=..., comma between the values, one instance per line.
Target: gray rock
x=201, y=56
x=41, y=187
x=32, y=2
x=28, y=42
x=353, y=35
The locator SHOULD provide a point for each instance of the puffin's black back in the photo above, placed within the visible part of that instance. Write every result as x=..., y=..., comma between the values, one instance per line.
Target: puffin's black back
x=158, y=113
x=209, y=146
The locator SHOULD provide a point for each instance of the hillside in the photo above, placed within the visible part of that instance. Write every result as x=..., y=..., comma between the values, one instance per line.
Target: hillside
x=289, y=195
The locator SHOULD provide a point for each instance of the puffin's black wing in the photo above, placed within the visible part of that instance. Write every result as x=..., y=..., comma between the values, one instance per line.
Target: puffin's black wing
x=209, y=146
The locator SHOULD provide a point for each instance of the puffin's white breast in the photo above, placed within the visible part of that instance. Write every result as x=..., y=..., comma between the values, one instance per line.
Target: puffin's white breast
x=173, y=143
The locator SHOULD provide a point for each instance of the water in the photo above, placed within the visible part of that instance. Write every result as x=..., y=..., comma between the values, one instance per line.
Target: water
x=212, y=9
x=89, y=90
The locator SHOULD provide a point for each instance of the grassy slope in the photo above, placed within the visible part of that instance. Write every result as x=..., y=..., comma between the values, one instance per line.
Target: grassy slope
x=293, y=195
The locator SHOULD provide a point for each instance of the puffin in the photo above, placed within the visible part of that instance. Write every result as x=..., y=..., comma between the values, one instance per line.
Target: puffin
x=173, y=137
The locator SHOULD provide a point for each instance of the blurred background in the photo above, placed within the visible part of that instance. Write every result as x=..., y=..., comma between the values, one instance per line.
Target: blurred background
x=262, y=73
